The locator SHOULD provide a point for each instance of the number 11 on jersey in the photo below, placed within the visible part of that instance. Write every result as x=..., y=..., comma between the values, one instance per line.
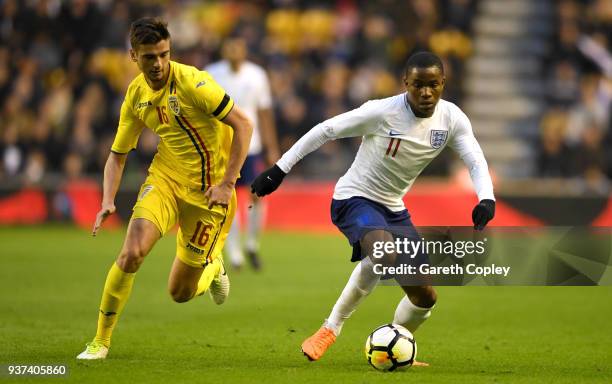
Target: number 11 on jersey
x=395, y=147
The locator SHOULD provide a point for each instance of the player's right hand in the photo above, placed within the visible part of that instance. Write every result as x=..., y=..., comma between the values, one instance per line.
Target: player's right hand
x=268, y=181
x=106, y=211
x=219, y=194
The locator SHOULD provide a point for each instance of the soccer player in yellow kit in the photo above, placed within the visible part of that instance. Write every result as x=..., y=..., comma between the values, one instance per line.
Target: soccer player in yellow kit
x=204, y=141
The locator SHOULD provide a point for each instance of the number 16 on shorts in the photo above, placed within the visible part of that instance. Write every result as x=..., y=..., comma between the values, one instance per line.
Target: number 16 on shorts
x=199, y=241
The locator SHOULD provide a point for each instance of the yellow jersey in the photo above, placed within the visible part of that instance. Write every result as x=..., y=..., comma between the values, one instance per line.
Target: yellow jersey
x=186, y=114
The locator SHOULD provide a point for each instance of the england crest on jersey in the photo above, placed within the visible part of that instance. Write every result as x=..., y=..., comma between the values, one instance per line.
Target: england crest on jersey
x=173, y=105
x=438, y=138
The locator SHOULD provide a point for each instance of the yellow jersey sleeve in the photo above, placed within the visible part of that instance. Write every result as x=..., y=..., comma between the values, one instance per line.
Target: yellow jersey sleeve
x=130, y=128
x=211, y=97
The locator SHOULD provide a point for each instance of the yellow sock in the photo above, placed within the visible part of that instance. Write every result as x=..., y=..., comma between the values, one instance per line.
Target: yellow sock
x=117, y=290
x=210, y=271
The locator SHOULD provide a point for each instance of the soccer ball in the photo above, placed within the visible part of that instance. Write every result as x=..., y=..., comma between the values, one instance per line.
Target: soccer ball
x=390, y=347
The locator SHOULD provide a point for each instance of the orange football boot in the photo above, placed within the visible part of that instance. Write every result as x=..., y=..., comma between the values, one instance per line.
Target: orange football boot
x=315, y=346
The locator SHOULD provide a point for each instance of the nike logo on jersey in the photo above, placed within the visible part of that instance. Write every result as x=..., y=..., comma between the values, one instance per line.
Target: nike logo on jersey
x=201, y=83
x=394, y=133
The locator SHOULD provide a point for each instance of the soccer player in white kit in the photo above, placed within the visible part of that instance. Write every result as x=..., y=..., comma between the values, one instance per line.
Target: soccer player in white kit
x=400, y=136
x=248, y=84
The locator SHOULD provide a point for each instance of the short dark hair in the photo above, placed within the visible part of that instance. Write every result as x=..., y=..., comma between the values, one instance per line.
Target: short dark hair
x=424, y=59
x=148, y=30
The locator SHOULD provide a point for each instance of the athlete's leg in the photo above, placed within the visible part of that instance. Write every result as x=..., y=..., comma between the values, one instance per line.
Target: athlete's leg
x=141, y=236
x=183, y=280
x=198, y=265
x=415, y=307
x=253, y=165
x=255, y=218
x=153, y=215
x=362, y=282
x=233, y=247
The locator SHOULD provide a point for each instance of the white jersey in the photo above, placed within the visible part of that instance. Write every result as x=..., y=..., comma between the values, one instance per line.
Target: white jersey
x=396, y=146
x=250, y=90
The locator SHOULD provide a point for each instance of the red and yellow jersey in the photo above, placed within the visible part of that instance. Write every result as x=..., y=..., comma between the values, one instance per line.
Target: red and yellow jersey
x=194, y=144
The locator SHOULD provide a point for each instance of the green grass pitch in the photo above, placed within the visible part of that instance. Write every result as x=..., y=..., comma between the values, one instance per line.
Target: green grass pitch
x=51, y=279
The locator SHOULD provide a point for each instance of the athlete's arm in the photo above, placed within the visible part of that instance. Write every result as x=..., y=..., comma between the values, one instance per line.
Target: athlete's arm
x=267, y=129
x=357, y=122
x=265, y=119
x=128, y=132
x=465, y=144
x=221, y=193
x=113, y=171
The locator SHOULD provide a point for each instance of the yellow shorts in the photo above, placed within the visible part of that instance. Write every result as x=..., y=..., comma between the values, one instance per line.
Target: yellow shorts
x=202, y=231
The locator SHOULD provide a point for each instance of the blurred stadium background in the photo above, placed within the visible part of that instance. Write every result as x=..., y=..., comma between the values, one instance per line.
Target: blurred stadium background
x=533, y=76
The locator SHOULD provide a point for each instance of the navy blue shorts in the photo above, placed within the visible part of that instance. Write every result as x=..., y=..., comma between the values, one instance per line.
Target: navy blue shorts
x=252, y=167
x=357, y=216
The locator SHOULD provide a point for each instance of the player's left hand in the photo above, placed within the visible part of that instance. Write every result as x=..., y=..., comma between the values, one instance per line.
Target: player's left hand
x=483, y=213
x=220, y=194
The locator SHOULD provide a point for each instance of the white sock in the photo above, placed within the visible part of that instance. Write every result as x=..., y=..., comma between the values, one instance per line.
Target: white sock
x=255, y=218
x=232, y=243
x=410, y=315
x=360, y=284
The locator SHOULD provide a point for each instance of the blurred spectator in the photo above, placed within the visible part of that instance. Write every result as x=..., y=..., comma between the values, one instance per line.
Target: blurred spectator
x=555, y=156
x=591, y=160
x=563, y=84
x=457, y=14
x=577, y=143
x=590, y=111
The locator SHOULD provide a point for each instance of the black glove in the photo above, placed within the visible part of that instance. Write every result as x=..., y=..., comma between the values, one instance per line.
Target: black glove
x=483, y=213
x=268, y=181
